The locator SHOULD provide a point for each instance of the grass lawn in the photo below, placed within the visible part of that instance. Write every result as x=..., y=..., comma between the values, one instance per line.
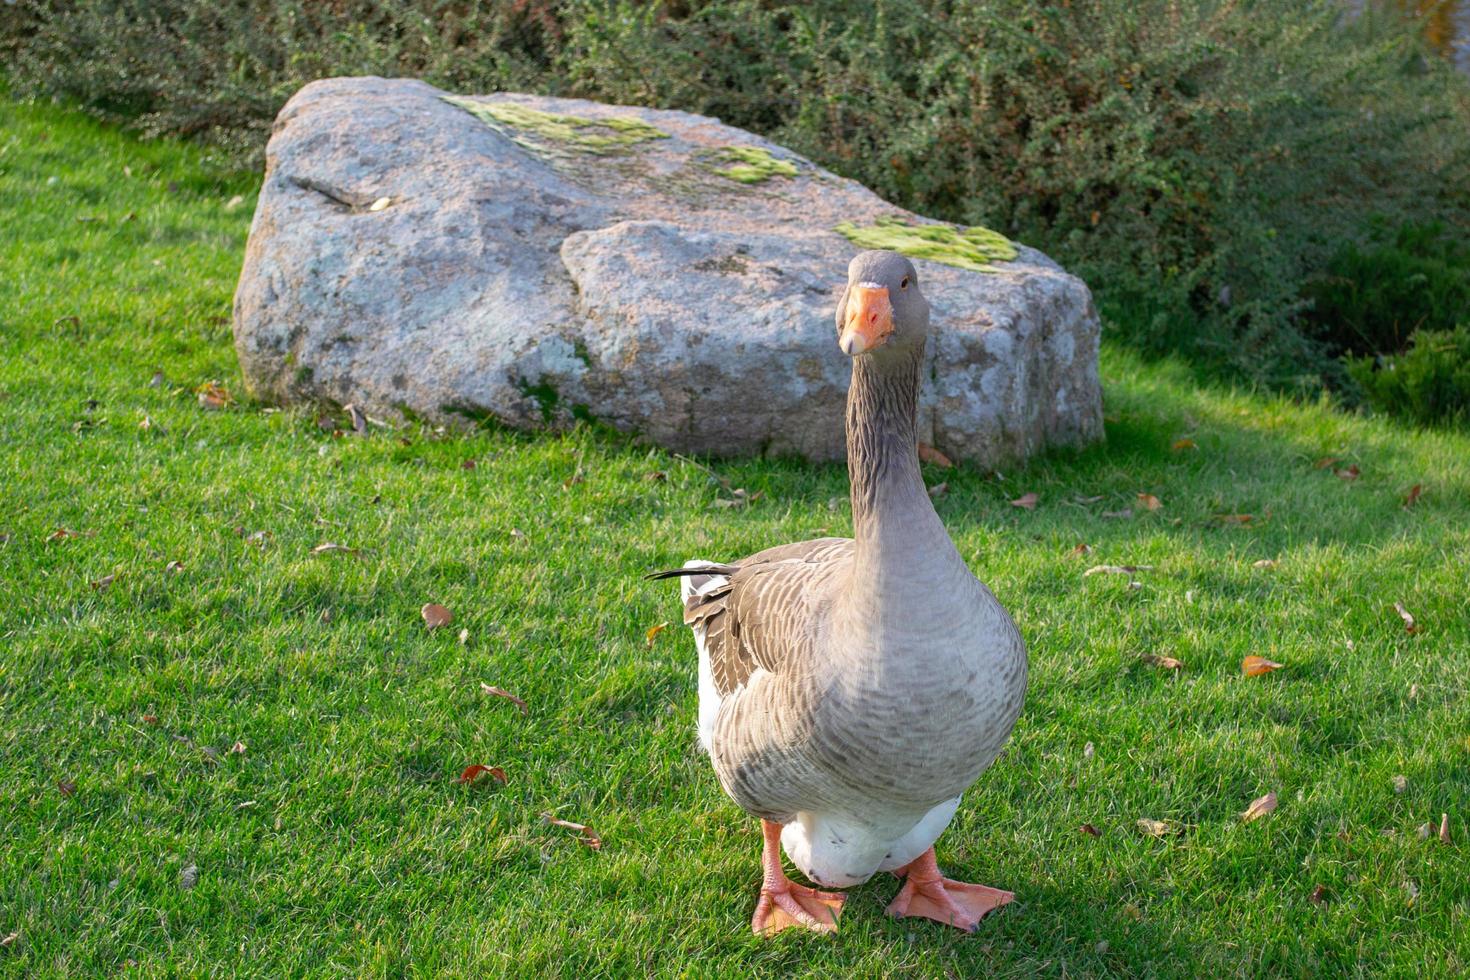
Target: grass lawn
x=338, y=842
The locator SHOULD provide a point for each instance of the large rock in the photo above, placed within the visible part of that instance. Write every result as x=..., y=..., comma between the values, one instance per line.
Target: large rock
x=545, y=259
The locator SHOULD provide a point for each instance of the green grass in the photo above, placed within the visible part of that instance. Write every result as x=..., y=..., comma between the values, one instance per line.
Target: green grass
x=338, y=843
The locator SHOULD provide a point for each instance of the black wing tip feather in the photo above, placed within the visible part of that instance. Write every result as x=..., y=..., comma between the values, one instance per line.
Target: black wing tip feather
x=699, y=570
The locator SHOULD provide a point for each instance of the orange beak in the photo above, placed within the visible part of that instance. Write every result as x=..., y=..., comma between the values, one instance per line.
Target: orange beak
x=869, y=319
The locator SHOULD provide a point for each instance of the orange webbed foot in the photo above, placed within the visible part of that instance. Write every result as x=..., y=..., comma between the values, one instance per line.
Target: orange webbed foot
x=783, y=903
x=928, y=893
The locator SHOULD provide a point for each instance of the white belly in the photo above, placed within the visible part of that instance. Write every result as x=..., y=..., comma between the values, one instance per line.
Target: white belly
x=838, y=852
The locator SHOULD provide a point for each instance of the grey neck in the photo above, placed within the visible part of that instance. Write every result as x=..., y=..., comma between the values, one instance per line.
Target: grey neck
x=898, y=535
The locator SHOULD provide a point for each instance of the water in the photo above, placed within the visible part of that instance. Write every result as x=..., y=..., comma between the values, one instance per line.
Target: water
x=1447, y=26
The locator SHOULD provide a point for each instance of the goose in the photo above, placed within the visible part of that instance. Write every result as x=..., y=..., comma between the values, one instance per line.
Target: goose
x=851, y=689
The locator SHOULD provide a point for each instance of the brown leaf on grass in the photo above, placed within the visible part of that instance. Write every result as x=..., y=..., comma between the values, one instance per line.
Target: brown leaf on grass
x=468, y=464
x=62, y=533
x=330, y=548
x=1318, y=896
x=150, y=719
x=1444, y=828
x=1090, y=830
x=657, y=476
x=1259, y=807
x=66, y=786
x=474, y=772
x=1349, y=474
x=359, y=420
x=928, y=454
x=102, y=583
x=1155, y=828
x=1162, y=661
x=1240, y=519
x=1400, y=784
x=1183, y=444
x=938, y=490
x=500, y=692
x=1265, y=563
x=518, y=534
x=6, y=942
x=1080, y=549
x=174, y=567
x=653, y=632
x=1116, y=570
x=435, y=615
x=238, y=748
x=1149, y=502
x=1409, y=625
x=1026, y=501
x=213, y=396
x=1325, y=462
x=1412, y=497
x=1254, y=666
x=588, y=837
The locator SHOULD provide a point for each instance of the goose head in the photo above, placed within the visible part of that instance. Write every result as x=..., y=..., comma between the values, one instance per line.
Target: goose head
x=881, y=312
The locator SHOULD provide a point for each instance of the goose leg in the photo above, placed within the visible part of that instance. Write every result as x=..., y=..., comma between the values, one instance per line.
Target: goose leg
x=928, y=893
x=783, y=902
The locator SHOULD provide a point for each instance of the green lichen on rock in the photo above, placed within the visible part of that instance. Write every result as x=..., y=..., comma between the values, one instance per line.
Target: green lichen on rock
x=973, y=248
x=542, y=131
x=752, y=164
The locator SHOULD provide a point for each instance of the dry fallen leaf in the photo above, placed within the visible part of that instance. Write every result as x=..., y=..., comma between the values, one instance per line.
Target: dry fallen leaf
x=500, y=692
x=1241, y=519
x=1318, y=896
x=1444, y=828
x=1116, y=570
x=1259, y=807
x=588, y=836
x=653, y=632
x=102, y=583
x=928, y=454
x=1154, y=828
x=657, y=476
x=1400, y=784
x=213, y=395
x=1163, y=661
x=435, y=615
x=174, y=567
x=1090, y=830
x=1349, y=474
x=62, y=533
x=150, y=719
x=66, y=786
x=1081, y=548
x=1325, y=462
x=329, y=548
x=474, y=772
x=1149, y=502
x=1026, y=501
x=188, y=877
x=1254, y=666
x=1409, y=625
x=1412, y=497
x=359, y=420
x=1183, y=444
x=1265, y=563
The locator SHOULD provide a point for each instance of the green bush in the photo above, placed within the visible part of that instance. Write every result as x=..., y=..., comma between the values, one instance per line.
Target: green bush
x=1375, y=294
x=1429, y=382
x=1200, y=164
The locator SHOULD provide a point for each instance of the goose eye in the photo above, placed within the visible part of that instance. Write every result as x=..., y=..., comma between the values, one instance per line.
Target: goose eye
x=904, y=284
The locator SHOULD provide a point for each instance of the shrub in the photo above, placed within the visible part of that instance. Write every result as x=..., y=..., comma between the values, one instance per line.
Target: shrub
x=1375, y=294
x=1429, y=382
x=1199, y=163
